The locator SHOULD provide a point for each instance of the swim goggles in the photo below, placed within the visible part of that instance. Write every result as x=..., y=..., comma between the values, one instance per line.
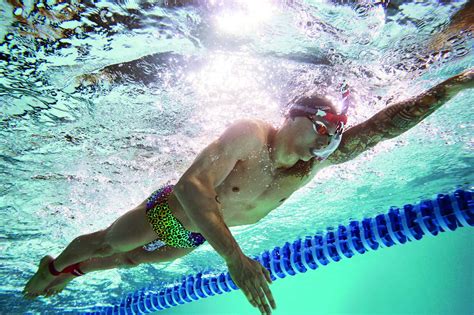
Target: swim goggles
x=340, y=120
x=321, y=128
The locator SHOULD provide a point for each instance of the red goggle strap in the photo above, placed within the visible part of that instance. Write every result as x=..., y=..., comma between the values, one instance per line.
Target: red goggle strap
x=336, y=118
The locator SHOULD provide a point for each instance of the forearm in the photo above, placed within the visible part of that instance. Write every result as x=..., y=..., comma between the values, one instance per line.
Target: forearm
x=404, y=115
x=205, y=213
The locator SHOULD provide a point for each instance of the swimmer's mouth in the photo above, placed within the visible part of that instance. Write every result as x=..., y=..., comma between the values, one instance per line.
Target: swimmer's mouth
x=318, y=147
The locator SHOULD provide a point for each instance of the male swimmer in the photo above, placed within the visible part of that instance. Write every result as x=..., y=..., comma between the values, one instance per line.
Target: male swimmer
x=237, y=180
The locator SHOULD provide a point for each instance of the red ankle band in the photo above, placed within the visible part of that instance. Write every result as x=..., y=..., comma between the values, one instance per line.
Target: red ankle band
x=53, y=270
x=74, y=270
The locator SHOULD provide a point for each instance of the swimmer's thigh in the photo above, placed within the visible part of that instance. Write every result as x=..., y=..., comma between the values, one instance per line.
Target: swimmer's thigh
x=162, y=254
x=130, y=230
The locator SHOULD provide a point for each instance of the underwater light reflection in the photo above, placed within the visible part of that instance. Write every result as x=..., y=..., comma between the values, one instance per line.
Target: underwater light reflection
x=245, y=19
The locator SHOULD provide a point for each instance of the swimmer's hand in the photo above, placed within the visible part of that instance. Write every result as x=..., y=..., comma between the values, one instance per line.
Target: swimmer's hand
x=464, y=80
x=467, y=77
x=446, y=90
x=251, y=277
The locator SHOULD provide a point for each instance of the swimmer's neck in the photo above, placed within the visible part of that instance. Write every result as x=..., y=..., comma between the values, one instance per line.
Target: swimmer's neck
x=281, y=149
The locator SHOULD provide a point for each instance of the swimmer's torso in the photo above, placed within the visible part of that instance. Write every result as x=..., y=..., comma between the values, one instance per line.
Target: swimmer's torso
x=251, y=190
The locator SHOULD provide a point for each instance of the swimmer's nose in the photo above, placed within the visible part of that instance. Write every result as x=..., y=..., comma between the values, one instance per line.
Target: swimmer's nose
x=321, y=144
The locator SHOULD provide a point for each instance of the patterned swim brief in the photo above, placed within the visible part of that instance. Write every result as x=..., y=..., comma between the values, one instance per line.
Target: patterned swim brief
x=170, y=231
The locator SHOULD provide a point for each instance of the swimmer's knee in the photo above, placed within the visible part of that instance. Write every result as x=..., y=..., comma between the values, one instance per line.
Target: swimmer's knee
x=96, y=243
x=103, y=246
x=105, y=250
x=129, y=261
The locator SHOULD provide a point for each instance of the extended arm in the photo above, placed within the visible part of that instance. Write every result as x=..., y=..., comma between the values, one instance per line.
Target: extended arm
x=398, y=118
x=201, y=207
x=195, y=190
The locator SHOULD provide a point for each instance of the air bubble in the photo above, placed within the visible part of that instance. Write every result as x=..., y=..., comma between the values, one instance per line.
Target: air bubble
x=103, y=14
x=18, y=11
x=336, y=58
x=456, y=40
x=362, y=10
x=461, y=51
x=364, y=41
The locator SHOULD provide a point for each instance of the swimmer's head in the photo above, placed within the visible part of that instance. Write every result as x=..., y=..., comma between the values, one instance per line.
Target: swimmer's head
x=302, y=106
x=326, y=122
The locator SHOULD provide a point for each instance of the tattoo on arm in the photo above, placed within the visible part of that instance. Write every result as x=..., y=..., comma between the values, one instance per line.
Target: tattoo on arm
x=390, y=122
x=405, y=115
x=357, y=140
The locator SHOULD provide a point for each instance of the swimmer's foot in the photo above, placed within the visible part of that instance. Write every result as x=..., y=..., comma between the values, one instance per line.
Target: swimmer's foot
x=58, y=284
x=40, y=280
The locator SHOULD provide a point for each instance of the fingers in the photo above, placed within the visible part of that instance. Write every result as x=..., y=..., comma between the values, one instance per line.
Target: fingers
x=263, y=305
x=266, y=289
x=258, y=293
x=250, y=296
x=267, y=275
x=252, y=278
x=255, y=297
x=268, y=294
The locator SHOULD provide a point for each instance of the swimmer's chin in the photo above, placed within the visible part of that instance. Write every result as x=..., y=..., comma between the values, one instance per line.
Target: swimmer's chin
x=308, y=157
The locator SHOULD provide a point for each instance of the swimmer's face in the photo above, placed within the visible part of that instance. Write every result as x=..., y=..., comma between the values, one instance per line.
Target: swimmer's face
x=312, y=133
x=322, y=131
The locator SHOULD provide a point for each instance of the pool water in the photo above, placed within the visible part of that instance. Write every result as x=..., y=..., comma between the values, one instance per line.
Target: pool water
x=102, y=104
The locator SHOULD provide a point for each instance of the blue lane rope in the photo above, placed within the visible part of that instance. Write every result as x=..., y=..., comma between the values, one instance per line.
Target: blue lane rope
x=445, y=212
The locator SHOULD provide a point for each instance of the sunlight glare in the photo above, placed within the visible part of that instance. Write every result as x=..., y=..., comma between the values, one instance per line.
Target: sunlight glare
x=246, y=19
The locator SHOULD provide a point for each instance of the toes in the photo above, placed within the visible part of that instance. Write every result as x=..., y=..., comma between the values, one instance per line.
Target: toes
x=51, y=292
x=29, y=296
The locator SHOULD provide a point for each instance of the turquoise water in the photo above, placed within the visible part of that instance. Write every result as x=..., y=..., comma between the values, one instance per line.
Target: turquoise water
x=102, y=104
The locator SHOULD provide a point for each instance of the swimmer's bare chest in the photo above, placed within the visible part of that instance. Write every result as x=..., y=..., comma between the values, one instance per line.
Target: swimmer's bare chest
x=251, y=190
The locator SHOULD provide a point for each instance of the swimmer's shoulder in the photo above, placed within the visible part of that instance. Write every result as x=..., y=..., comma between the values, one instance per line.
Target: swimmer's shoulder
x=267, y=130
x=255, y=128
